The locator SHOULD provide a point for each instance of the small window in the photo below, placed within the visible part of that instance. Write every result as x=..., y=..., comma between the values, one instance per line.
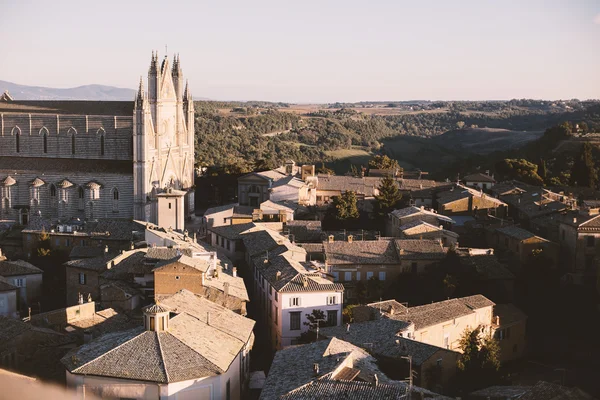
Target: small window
x=151, y=323
x=52, y=191
x=82, y=278
x=358, y=275
x=590, y=242
x=295, y=301
x=18, y=142
x=295, y=321
x=72, y=144
x=348, y=276
x=438, y=362
x=331, y=300
x=169, y=206
x=101, y=145
x=332, y=317
x=45, y=143
x=177, y=277
x=369, y=275
x=382, y=275
x=276, y=296
x=116, y=195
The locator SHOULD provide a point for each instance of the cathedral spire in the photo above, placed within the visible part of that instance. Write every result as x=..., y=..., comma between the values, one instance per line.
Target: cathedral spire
x=176, y=71
x=165, y=64
x=141, y=95
x=153, y=63
x=187, y=94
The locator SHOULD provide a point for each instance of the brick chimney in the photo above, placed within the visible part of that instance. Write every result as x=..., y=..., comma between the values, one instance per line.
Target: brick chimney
x=350, y=238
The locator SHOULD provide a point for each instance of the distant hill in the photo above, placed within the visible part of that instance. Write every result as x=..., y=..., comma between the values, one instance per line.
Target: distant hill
x=86, y=92
x=485, y=140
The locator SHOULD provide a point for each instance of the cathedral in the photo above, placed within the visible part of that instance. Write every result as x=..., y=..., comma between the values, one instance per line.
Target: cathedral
x=98, y=159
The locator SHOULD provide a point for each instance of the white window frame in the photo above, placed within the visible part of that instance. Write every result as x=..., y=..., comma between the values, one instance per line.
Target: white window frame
x=295, y=302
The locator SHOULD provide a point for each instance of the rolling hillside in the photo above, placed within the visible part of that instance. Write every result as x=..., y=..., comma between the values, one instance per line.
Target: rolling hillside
x=485, y=140
x=87, y=92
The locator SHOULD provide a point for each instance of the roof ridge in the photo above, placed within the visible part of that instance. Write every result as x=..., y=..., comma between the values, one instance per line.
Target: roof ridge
x=113, y=349
x=212, y=326
x=162, y=355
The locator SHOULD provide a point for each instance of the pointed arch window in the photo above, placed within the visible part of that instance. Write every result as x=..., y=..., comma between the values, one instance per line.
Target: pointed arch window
x=101, y=145
x=80, y=198
x=45, y=138
x=115, y=205
x=72, y=144
x=52, y=191
x=18, y=142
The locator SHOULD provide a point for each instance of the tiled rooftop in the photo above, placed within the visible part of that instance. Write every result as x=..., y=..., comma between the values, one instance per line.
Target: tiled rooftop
x=292, y=367
x=361, y=252
x=517, y=233
x=18, y=267
x=191, y=348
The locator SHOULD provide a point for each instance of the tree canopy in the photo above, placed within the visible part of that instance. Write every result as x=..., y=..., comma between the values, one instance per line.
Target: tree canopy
x=384, y=162
x=389, y=196
x=584, y=171
x=345, y=206
x=519, y=169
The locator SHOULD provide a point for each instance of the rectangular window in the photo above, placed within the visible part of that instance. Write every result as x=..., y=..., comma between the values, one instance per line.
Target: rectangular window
x=295, y=302
x=224, y=220
x=348, y=276
x=276, y=314
x=438, y=362
x=589, y=241
x=336, y=276
x=295, y=321
x=276, y=296
x=332, y=317
x=382, y=275
x=169, y=206
x=19, y=282
x=82, y=278
x=331, y=300
x=369, y=275
x=358, y=275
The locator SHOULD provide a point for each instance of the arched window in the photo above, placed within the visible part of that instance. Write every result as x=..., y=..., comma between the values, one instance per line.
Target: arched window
x=115, y=205
x=101, y=145
x=18, y=141
x=80, y=198
x=72, y=144
x=45, y=143
x=52, y=191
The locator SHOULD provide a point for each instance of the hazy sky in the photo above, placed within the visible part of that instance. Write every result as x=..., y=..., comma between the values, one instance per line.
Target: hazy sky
x=313, y=51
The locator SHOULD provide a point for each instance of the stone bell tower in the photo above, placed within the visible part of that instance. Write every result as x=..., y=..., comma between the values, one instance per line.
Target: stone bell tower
x=163, y=138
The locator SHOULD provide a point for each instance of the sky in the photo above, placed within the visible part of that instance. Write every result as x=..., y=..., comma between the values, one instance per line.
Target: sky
x=313, y=51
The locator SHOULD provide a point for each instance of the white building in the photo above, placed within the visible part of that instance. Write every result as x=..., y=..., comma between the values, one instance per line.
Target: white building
x=201, y=353
x=287, y=288
x=480, y=181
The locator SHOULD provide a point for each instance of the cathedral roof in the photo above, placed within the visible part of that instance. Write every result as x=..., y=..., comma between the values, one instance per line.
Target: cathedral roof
x=8, y=181
x=37, y=182
x=72, y=107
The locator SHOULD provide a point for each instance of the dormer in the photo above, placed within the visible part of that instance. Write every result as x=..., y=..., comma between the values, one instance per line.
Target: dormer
x=156, y=318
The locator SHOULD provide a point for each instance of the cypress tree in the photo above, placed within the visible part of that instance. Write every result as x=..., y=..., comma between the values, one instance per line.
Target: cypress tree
x=584, y=171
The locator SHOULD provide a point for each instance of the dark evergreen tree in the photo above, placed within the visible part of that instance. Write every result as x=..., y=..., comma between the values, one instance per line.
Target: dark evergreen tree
x=345, y=206
x=542, y=171
x=389, y=196
x=584, y=171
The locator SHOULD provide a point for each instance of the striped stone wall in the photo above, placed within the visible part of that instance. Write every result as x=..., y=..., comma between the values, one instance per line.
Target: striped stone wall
x=88, y=131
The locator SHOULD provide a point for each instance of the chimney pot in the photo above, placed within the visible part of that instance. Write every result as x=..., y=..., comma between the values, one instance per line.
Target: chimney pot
x=350, y=238
x=234, y=272
x=330, y=239
x=316, y=368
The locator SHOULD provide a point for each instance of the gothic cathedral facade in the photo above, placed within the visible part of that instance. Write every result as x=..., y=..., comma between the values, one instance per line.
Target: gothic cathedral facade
x=98, y=159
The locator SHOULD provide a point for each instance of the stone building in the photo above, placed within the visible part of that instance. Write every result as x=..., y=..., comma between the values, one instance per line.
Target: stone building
x=98, y=159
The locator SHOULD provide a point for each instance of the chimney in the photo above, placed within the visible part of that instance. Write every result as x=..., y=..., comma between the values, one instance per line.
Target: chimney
x=304, y=281
x=131, y=246
x=226, y=288
x=375, y=380
x=574, y=220
x=234, y=272
x=106, y=249
x=498, y=320
x=350, y=238
x=401, y=252
x=278, y=275
x=330, y=239
x=348, y=328
x=316, y=368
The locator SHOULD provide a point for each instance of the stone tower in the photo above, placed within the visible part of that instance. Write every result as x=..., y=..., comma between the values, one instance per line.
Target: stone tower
x=163, y=138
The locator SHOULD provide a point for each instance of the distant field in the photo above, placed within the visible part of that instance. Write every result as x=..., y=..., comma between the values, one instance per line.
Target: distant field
x=412, y=151
x=485, y=140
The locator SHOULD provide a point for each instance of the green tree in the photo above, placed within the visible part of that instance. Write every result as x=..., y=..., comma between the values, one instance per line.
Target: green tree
x=542, y=171
x=480, y=361
x=389, y=196
x=519, y=169
x=324, y=170
x=345, y=206
x=384, y=162
x=43, y=249
x=584, y=171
